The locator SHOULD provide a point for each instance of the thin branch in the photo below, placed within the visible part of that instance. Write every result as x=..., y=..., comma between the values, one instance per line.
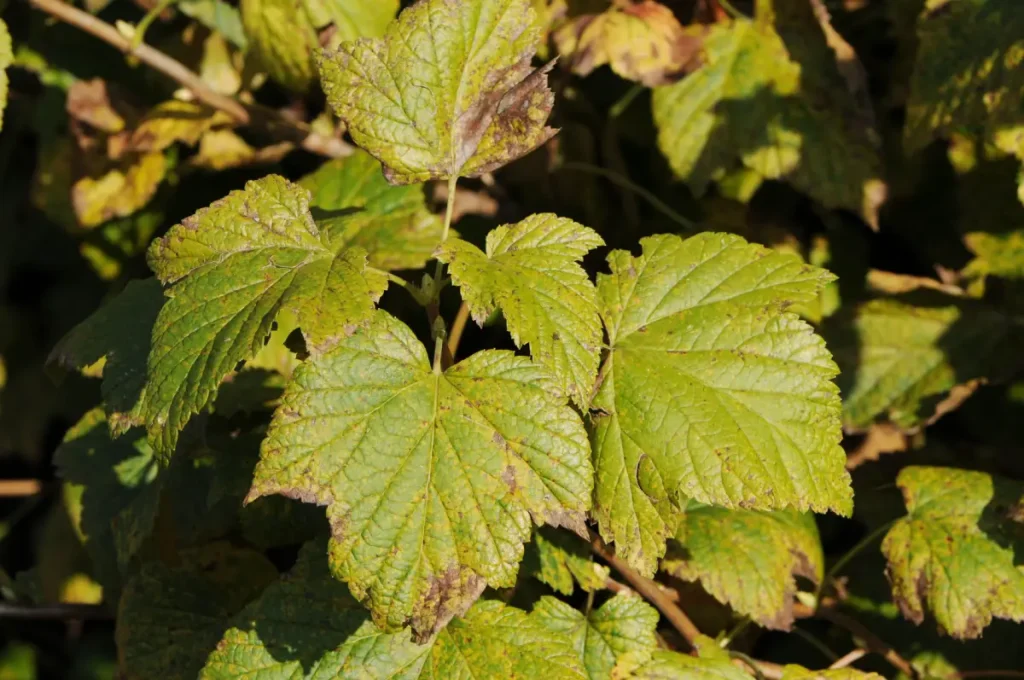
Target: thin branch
x=649, y=589
x=763, y=670
x=51, y=612
x=870, y=640
x=19, y=488
x=849, y=555
x=458, y=326
x=848, y=658
x=175, y=70
x=626, y=183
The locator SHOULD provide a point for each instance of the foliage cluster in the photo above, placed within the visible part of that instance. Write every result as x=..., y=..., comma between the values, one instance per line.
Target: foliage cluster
x=513, y=338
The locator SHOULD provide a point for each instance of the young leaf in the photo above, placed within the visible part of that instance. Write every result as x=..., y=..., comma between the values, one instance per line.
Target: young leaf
x=562, y=558
x=771, y=96
x=118, y=332
x=968, y=74
x=531, y=272
x=392, y=224
x=897, y=359
x=6, y=57
x=430, y=479
x=307, y=625
x=120, y=492
x=447, y=92
x=958, y=549
x=642, y=42
x=711, y=391
x=623, y=624
x=711, y=663
x=170, y=618
x=748, y=559
x=228, y=270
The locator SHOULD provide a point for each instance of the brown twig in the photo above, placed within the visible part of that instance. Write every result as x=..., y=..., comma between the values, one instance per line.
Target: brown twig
x=19, y=488
x=649, y=589
x=870, y=640
x=50, y=612
x=848, y=658
x=175, y=70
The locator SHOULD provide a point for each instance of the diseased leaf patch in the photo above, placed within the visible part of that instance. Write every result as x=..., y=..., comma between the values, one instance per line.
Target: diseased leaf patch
x=228, y=270
x=531, y=272
x=430, y=479
x=958, y=549
x=447, y=92
x=747, y=559
x=710, y=391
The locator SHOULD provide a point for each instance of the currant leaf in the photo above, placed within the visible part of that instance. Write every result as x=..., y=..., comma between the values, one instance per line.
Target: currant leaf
x=563, y=558
x=430, y=478
x=447, y=92
x=531, y=272
x=710, y=391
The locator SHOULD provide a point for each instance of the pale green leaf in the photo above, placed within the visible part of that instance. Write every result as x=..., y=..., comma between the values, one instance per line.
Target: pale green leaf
x=228, y=270
x=899, y=359
x=430, y=479
x=6, y=57
x=308, y=626
x=531, y=272
x=119, y=333
x=711, y=663
x=390, y=223
x=447, y=92
x=170, y=618
x=748, y=559
x=711, y=391
x=771, y=96
x=563, y=558
x=117, y=480
x=219, y=16
x=969, y=73
x=623, y=624
x=958, y=550
x=282, y=35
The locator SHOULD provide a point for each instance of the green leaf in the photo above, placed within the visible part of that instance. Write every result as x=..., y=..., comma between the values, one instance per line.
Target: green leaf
x=748, y=559
x=219, y=16
x=119, y=333
x=531, y=272
x=770, y=95
x=308, y=626
x=996, y=254
x=623, y=624
x=898, y=359
x=968, y=75
x=170, y=618
x=447, y=92
x=711, y=391
x=958, y=549
x=390, y=223
x=6, y=57
x=120, y=492
x=430, y=479
x=282, y=35
x=563, y=557
x=228, y=270
x=711, y=663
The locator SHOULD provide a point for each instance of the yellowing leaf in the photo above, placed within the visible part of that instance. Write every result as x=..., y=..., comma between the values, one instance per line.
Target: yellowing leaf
x=791, y=672
x=120, y=191
x=623, y=624
x=327, y=634
x=6, y=57
x=227, y=271
x=430, y=480
x=176, y=121
x=562, y=558
x=283, y=35
x=447, y=92
x=711, y=663
x=770, y=96
x=711, y=391
x=392, y=224
x=642, y=42
x=996, y=254
x=748, y=559
x=958, y=550
x=531, y=272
